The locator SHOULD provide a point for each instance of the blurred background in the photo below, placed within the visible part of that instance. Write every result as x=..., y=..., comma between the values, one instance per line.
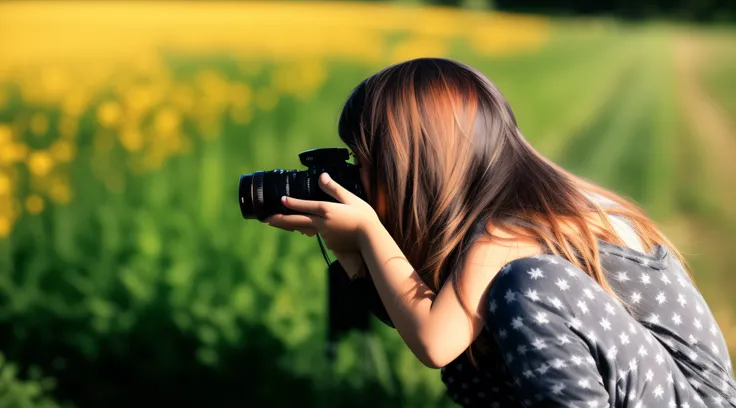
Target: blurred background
x=129, y=278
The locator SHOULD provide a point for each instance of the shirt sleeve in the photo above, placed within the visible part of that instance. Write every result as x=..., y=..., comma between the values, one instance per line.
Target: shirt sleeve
x=542, y=343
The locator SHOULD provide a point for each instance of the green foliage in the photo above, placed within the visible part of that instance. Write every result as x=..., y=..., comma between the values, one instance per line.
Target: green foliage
x=29, y=393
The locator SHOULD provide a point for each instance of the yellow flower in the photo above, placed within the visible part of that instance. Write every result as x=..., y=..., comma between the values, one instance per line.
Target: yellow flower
x=5, y=184
x=39, y=124
x=240, y=95
x=131, y=139
x=34, y=204
x=40, y=163
x=14, y=153
x=167, y=121
x=62, y=151
x=60, y=192
x=109, y=114
x=6, y=135
x=67, y=126
x=73, y=103
x=5, y=224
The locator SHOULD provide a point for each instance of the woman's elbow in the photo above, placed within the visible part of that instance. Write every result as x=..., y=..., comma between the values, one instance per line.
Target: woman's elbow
x=433, y=356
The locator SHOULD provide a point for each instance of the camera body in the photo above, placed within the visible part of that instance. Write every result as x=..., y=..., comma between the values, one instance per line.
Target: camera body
x=259, y=193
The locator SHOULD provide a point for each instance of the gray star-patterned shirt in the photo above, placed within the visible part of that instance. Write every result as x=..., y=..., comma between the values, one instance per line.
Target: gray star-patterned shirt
x=559, y=340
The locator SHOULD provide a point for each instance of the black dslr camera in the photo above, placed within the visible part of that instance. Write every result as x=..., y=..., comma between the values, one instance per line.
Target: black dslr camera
x=259, y=193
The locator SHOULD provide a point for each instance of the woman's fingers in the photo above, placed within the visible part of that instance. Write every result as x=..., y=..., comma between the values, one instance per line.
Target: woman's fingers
x=310, y=232
x=318, y=208
x=291, y=222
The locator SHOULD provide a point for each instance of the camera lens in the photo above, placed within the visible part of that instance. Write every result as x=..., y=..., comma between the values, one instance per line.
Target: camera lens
x=245, y=196
x=259, y=193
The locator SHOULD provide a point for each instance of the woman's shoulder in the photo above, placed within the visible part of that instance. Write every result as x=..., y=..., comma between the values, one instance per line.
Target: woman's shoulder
x=497, y=246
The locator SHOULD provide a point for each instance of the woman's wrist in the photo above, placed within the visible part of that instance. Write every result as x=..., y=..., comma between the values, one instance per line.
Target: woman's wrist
x=369, y=229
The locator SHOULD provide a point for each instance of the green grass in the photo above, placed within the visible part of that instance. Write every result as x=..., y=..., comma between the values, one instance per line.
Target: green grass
x=156, y=277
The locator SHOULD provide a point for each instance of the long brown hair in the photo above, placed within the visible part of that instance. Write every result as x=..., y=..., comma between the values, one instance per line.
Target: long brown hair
x=443, y=145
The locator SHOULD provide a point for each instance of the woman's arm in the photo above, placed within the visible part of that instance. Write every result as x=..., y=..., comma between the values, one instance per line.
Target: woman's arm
x=434, y=326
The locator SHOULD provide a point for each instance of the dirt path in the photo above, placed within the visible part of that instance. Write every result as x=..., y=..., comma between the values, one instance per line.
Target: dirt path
x=715, y=134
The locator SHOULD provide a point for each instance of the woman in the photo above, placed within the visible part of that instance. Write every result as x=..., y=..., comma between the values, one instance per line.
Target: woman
x=561, y=292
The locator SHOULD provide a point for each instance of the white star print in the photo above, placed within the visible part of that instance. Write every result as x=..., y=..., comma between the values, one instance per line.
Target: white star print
x=664, y=278
x=563, y=339
x=658, y=392
x=714, y=348
x=622, y=276
x=605, y=324
x=521, y=350
x=509, y=358
x=624, y=338
x=575, y=323
x=552, y=261
x=661, y=298
x=510, y=296
x=543, y=369
x=528, y=374
x=532, y=294
x=681, y=300
x=718, y=399
x=635, y=298
x=592, y=404
x=502, y=333
x=506, y=268
x=571, y=272
x=556, y=302
x=541, y=318
x=557, y=388
x=583, y=307
x=610, y=309
x=697, y=323
x=632, y=365
x=612, y=352
x=645, y=279
x=562, y=284
x=698, y=309
x=654, y=318
x=642, y=351
x=536, y=273
x=539, y=343
x=588, y=293
x=584, y=383
x=659, y=358
x=592, y=336
x=558, y=363
x=517, y=323
x=681, y=281
x=576, y=360
x=713, y=329
x=676, y=319
x=493, y=306
x=632, y=328
x=649, y=375
x=692, y=340
x=670, y=378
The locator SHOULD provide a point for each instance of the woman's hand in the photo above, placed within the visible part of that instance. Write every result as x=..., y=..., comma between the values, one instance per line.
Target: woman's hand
x=339, y=224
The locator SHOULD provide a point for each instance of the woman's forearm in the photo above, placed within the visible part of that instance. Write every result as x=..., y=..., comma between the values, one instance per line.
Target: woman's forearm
x=407, y=299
